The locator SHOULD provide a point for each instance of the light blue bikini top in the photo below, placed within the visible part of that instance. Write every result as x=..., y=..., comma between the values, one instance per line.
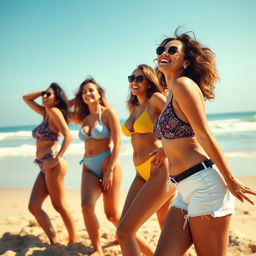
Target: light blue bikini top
x=99, y=132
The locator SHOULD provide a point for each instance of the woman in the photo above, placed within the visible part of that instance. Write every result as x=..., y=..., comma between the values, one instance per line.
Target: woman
x=50, y=180
x=101, y=170
x=147, y=193
x=201, y=213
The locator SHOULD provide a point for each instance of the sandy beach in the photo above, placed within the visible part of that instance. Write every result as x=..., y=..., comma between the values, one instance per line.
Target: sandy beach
x=20, y=234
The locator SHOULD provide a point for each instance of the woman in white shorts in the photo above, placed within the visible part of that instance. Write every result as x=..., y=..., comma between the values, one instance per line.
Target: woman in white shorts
x=201, y=213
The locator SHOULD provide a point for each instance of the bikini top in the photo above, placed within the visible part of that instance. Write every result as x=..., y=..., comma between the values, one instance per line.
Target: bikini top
x=170, y=126
x=99, y=132
x=43, y=133
x=143, y=124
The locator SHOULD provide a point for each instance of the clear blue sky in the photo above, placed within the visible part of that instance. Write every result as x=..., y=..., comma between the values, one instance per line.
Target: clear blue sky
x=65, y=41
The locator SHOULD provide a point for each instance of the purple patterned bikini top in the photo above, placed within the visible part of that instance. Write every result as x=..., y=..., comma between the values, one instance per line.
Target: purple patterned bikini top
x=42, y=132
x=170, y=126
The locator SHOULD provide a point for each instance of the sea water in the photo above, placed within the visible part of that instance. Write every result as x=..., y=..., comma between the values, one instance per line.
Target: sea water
x=235, y=132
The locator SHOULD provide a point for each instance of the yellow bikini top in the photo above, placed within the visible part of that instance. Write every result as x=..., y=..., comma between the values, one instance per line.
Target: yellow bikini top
x=143, y=124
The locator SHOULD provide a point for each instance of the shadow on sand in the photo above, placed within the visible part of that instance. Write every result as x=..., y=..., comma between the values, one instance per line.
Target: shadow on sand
x=26, y=245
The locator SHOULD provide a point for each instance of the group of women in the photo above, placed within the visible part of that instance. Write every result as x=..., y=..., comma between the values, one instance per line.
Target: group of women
x=181, y=173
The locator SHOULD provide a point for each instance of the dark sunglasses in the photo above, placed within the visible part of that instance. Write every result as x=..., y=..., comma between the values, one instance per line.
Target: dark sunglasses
x=171, y=50
x=47, y=94
x=133, y=78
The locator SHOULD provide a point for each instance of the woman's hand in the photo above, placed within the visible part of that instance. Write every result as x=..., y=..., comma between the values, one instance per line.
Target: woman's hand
x=107, y=179
x=50, y=163
x=239, y=190
x=159, y=157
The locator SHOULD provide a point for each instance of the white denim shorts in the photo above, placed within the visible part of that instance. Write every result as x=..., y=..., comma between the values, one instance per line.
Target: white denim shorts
x=204, y=193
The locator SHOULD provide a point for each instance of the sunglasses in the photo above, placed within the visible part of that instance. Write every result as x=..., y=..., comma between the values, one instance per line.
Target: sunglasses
x=47, y=94
x=133, y=78
x=171, y=50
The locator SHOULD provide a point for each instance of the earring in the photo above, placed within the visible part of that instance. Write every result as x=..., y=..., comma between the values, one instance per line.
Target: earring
x=185, y=67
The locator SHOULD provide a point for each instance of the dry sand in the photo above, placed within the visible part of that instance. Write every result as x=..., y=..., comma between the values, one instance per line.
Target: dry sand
x=20, y=234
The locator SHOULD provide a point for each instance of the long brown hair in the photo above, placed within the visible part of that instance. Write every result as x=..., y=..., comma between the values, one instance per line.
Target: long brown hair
x=153, y=81
x=81, y=109
x=62, y=99
x=202, y=67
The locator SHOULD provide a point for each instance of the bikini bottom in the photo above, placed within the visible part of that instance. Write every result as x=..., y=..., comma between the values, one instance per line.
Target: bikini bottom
x=94, y=164
x=144, y=169
x=40, y=161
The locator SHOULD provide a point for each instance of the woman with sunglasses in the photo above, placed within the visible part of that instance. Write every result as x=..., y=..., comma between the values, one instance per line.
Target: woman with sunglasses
x=50, y=180
x=201, y=213
x=102, y=172
x=147, y=193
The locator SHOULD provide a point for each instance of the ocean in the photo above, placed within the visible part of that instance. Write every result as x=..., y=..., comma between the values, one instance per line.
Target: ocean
x=235, y=132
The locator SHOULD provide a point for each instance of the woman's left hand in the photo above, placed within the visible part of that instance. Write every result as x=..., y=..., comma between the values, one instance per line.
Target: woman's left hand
x=159, y=157
x=50, y=163
x=239, y=190
x=107, y=179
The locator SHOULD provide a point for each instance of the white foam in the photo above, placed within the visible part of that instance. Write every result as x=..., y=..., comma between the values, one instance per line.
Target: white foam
x=20, y=135
x=219, y=126
x=73, y=149
x=24, y=135
x=232, y=125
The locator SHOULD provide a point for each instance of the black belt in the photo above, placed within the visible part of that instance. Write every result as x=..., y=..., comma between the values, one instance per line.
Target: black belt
x=196, y=168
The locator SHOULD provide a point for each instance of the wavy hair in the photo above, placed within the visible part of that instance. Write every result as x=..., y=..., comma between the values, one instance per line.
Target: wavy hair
x=153, y=81
x=81, y=109
x=62, y=99
x=202, y=66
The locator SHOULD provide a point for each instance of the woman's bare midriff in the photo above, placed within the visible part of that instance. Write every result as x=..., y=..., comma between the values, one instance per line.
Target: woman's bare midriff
x=183, y=153
x=94, y=147
x=45, y=147
x=143, y=144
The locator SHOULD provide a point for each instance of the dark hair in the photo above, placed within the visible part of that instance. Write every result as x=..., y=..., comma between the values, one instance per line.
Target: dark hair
x=202, y=67
x=81, y=109
x=153, y=81
x=61, y=97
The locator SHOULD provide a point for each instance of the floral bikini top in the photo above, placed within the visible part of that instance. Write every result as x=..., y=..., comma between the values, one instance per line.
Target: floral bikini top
x=42, y=132
x=170, y=126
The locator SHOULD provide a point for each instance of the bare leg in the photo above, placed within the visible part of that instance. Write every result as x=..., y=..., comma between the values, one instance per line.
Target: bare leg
x=90, y=192
x=174, y=240
x=111, y=197
x=137, y=184
x=55, y=185
x=37, y=197
x=163, y=211
x=147, y=201
x=210, y=235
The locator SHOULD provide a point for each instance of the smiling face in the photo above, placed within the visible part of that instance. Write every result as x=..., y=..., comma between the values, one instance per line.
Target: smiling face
x=48, y=98
x=90, y=93
x=172, y=59
x=140, y=87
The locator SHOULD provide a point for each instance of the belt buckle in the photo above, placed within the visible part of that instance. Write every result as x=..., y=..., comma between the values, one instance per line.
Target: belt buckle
x=172, y=178
x=204, y=165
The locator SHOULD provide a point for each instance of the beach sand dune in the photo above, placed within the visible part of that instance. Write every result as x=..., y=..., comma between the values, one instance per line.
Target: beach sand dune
x=21, y=235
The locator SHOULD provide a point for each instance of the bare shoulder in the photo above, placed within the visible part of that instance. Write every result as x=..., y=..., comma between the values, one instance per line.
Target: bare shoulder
x=157, y=101
x=186, y=87
x=156, y=98
x=54, y=111
x=109, y=112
